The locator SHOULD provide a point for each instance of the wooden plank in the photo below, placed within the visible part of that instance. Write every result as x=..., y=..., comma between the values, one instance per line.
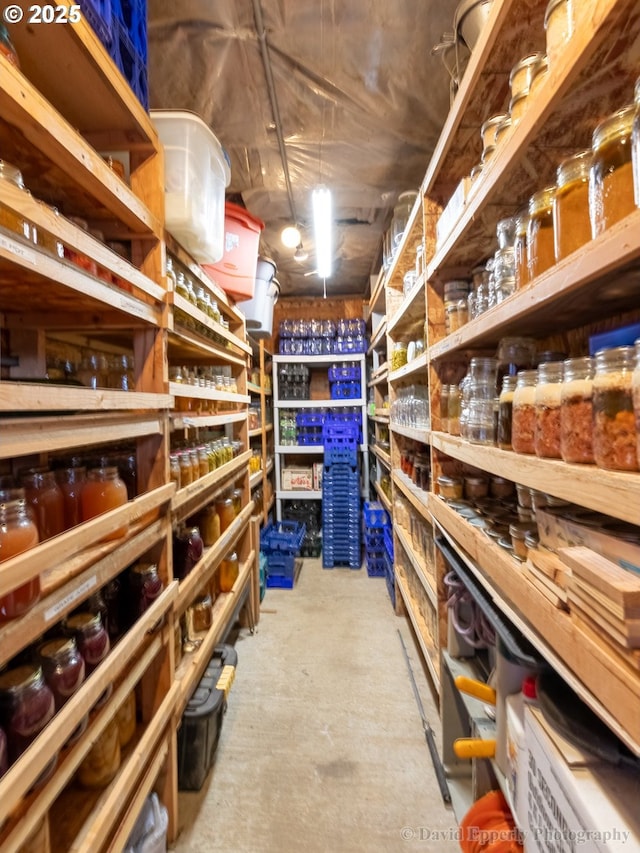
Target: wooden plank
x=411, y=313
x=621, y=586
x=615, y=493
x=423, y=435
x=427, y=643
x=32, y=397
x=417, y=365
x=177, y=389
x=175, y=300
x=202, y=489
x=583, y=610
x=625, y=627
x=417, y=497
x=543, y=588
x=602, y=600
x=427, y=577
x=550, y=565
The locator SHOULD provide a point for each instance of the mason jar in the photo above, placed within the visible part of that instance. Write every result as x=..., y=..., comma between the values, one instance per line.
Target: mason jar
x=540, y=240
x=505, y=412
x=523, y=427
x=520, y=249
x=18, y=533
x=576, y=410
x=27, y=704
x=547, y=397
x=636, y=395
x=611, y=195
x=571, y=221
x=635, y=144
x=614, y=431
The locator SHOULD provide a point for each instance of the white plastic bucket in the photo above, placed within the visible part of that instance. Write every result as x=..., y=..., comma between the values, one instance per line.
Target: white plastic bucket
x=259, y=310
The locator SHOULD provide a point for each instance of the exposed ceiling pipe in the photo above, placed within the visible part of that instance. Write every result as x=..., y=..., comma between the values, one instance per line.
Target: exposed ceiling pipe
x=273, y=98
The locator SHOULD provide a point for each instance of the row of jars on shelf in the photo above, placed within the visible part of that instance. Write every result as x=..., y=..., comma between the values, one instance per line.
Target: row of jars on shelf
x=95, y=370
x=411, y=407
x=582, y=410
x=209, y=378
x=42, y=678
x=187, y=464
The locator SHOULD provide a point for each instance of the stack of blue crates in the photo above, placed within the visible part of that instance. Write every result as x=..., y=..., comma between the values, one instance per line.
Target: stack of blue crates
x=280, y=543
x=376, y=529
x=344, y=382
x=340, y=496
x=309, y=426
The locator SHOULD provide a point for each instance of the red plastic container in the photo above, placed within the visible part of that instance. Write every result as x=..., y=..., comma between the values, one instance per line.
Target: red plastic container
x=236, y=272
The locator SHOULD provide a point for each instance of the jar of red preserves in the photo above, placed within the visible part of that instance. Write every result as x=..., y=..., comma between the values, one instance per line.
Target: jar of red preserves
x=93, y=643
x=27, y=704
x=18, y=533
x=523, y=418
x=188, y=548
x=146, y=585
x=63, y=669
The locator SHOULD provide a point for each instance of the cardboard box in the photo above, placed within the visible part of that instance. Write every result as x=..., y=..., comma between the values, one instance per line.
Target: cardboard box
x=574, y=802
x=297, y=479
x=317, y=476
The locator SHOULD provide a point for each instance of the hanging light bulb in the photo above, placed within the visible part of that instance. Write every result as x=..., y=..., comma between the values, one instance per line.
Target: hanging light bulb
x=323, y=226
x=290, y=236
x=300, y=254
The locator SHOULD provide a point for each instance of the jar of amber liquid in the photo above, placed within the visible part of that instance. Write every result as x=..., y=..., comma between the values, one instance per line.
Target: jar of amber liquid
x=186, y=471
x=635, y=145
x=505, y=412
x=236, y=497
x=18, y=533
x=103, y=491
x=209, y=522
x=126, y=719
x=229, y=571
x=174, y=469
x=614, y=431
x=523, y=424
x=571, y=222
x=46, y=500
x=26, y=706
x=540, y=241
x=103, y=760
x=576, y=410
x=636, y=395
x=520, y=249
x=611, y=176
x=71, y=481
x=226, y=512
x=453, y=410
x=547, y=397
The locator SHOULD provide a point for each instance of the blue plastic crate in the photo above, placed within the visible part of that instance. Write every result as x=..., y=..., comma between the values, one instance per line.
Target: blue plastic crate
x=310, y=439
x=345, y=390
x=338, y=432
x=310, y=419
x=376, y=567
x=344, y=372
x=132, y=14
x=341, y=455
x=284, y=536
x=334, y=563
x=388, y=541
x=98, y=16
x=375, y=515
x=280, y=570
x=374, y=543
x=130, y=62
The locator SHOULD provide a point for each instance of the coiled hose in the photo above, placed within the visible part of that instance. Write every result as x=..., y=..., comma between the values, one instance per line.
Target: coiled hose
x=478, y=632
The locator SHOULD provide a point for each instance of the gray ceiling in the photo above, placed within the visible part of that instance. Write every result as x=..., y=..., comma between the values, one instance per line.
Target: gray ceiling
x=361, y=100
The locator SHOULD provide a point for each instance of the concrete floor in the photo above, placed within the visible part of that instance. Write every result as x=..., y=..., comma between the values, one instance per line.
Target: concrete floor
x=322, y=746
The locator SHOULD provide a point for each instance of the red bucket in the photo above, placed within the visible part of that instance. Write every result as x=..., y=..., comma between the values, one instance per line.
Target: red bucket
x=236, y=272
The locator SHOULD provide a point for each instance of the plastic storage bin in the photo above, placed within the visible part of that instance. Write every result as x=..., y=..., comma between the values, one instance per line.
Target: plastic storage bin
x=196, y=173
x=259, y=310
x=149, y=834
x=236, y=271
x=202, y=720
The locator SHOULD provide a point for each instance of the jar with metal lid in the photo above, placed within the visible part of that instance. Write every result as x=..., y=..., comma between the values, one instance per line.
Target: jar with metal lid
x=482, y=408
x=523, y=424
x=8, y=218
x=514, y=354
x=229, y=571
x=456, y=306
x=27, y=704
x=506, y=232
x=547, y=397
x=611, y=196
x=46, y=500
x=188, y=548
x=475, y=487
x=571, y=222
x=635, y=144
x=540, y=241
x=505, y=412
x=146, y=586
x=503, y=129
x=523, y=73
x=102, y=762
x=488, y=130
x=614, y=431
x=186, y=470
x=444, y=408
x=71, y=481
x=520, y=249
x=202, y=613
x=453, y=410
x=174, y=469
x=450, y=488
x=401, y=214
x=636, y=394
x=104, y=490
x=576, y=410
x=236, y=497
x=91, y=636
x=18, y=533
x=224, y=508
x=209, y=523
x=63, y=668
x=398, y=355
x=558, y=23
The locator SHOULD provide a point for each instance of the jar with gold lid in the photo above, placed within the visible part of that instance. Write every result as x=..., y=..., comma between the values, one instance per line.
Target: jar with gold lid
x=540, y=241
x=523, y=73
x=614, y=432
x=559, y=26
x=571, y=221
x=547, y=403
x=27, y=704
x=523, y=424
x=611, y=196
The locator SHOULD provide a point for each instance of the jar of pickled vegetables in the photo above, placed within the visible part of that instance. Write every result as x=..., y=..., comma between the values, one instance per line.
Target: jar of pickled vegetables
x=576, y=410
x=505, y=412
x=571, y=222
x=523, y=424
x=540, y=239
x=611, y=195
x=614, y=432
x=547, y=401
x=104, y=490
x=398, y=355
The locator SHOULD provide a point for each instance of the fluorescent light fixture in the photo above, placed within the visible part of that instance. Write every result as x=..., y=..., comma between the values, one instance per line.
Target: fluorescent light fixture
x=323, y=227
x=290, y=236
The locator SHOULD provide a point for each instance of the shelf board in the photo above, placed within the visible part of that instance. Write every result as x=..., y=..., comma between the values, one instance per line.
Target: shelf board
x=178, y=389
x=23, y=436
x=409, y=317
x=376, y=301
x=378, y=336
x=605, y=682
x=201, y=490
x=35, y=133
x=379, y=378
x=429, y=651
x=404, y=256
x=253, y=389
x=317, y=404
x=183, y=420
x=318, y=359
x=379, y=419
x=427, y=581
x=615, y=493
x=385, y=458
x=423, y=435
x=32, y=397
x=269, y=468
x=254, y=433
x=255, y=479
x=224, y=336
x=418, y=498
x=384, y=500
x=416, y=365
x=299, y=495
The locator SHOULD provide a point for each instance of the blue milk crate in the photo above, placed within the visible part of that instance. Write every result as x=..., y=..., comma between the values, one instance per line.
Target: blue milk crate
x=345, y=390
x=283, y=536
x=310, y=439
x=280, y=570
x=388, y=574
x=388, y=541
x=130, y=62
x=340, y=455
x=310, y=419
x=132, y=14
x=376, y=567
x=374, y=544
x=98, y=16
x=335, y=432
x=343, y=373
x=331, y=562
x=375, y=515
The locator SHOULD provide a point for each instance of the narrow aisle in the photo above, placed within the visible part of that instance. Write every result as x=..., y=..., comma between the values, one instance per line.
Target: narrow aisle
x=322, y=746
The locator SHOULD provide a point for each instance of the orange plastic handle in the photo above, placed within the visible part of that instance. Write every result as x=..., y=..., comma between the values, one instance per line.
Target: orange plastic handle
x=475, y=688
x=473, y=747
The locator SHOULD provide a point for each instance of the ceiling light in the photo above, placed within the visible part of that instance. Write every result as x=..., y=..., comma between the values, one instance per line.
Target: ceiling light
x=290, y=236
x=323, y=226
x=301, y=254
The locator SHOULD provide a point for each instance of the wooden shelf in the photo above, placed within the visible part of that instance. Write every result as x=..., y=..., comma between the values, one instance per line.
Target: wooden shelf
x=190, y=498
x=379, y=419
x=408, y=320
x=177, y=389
x=381, y=455
x=379, y=378
x=429, y=649
x=384, y=500
x=299, y=495
x=428, y=582
x=615, y=493
x=318, y=404
x=423, y=435
x=255, y=479
x=253, y=389
x=418, y=498
x=376, y=301
x=378, y=336
x=184, y=420
x=33, y=397
x=223, y=336
x=254, y=433
x=604, y=681
x=416, y=365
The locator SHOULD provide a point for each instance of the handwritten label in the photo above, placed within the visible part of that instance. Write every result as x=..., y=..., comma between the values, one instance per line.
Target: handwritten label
x=18, y=250
x=131, y=306
x=65, y=603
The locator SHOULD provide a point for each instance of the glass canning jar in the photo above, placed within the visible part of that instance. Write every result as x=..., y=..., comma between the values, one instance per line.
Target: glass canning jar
x=209, y=523
x=401, y=214
x=635, y=144
x=46, y=500
x=611, y=176
x=482, y=405
x=18, y=533
x=523, y=73
x=104, y=490
x=226, y=511
x=559, y=25
x=514, y=354
x=174, y=469
x=614, y=433
x=91, y=636
x=444, y=408
x=103, y=760
x=186, y=471
x=547, y=397
x=520, y=248
x=71, y=481
x=576, y=410
x=571, y=222
x=505, y=412
x=398, y=355
x=229, y=571
x=188, y=548
x=146, y=586
x=8, y=219
x=453, y=410
x=636, y=395
x=523, y=425
x=63, y=668
x=27, y=704
x=540, y=240
x=126, y=719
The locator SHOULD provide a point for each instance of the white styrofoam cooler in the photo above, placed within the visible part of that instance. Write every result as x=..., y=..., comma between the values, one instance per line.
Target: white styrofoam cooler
x=196, y=173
